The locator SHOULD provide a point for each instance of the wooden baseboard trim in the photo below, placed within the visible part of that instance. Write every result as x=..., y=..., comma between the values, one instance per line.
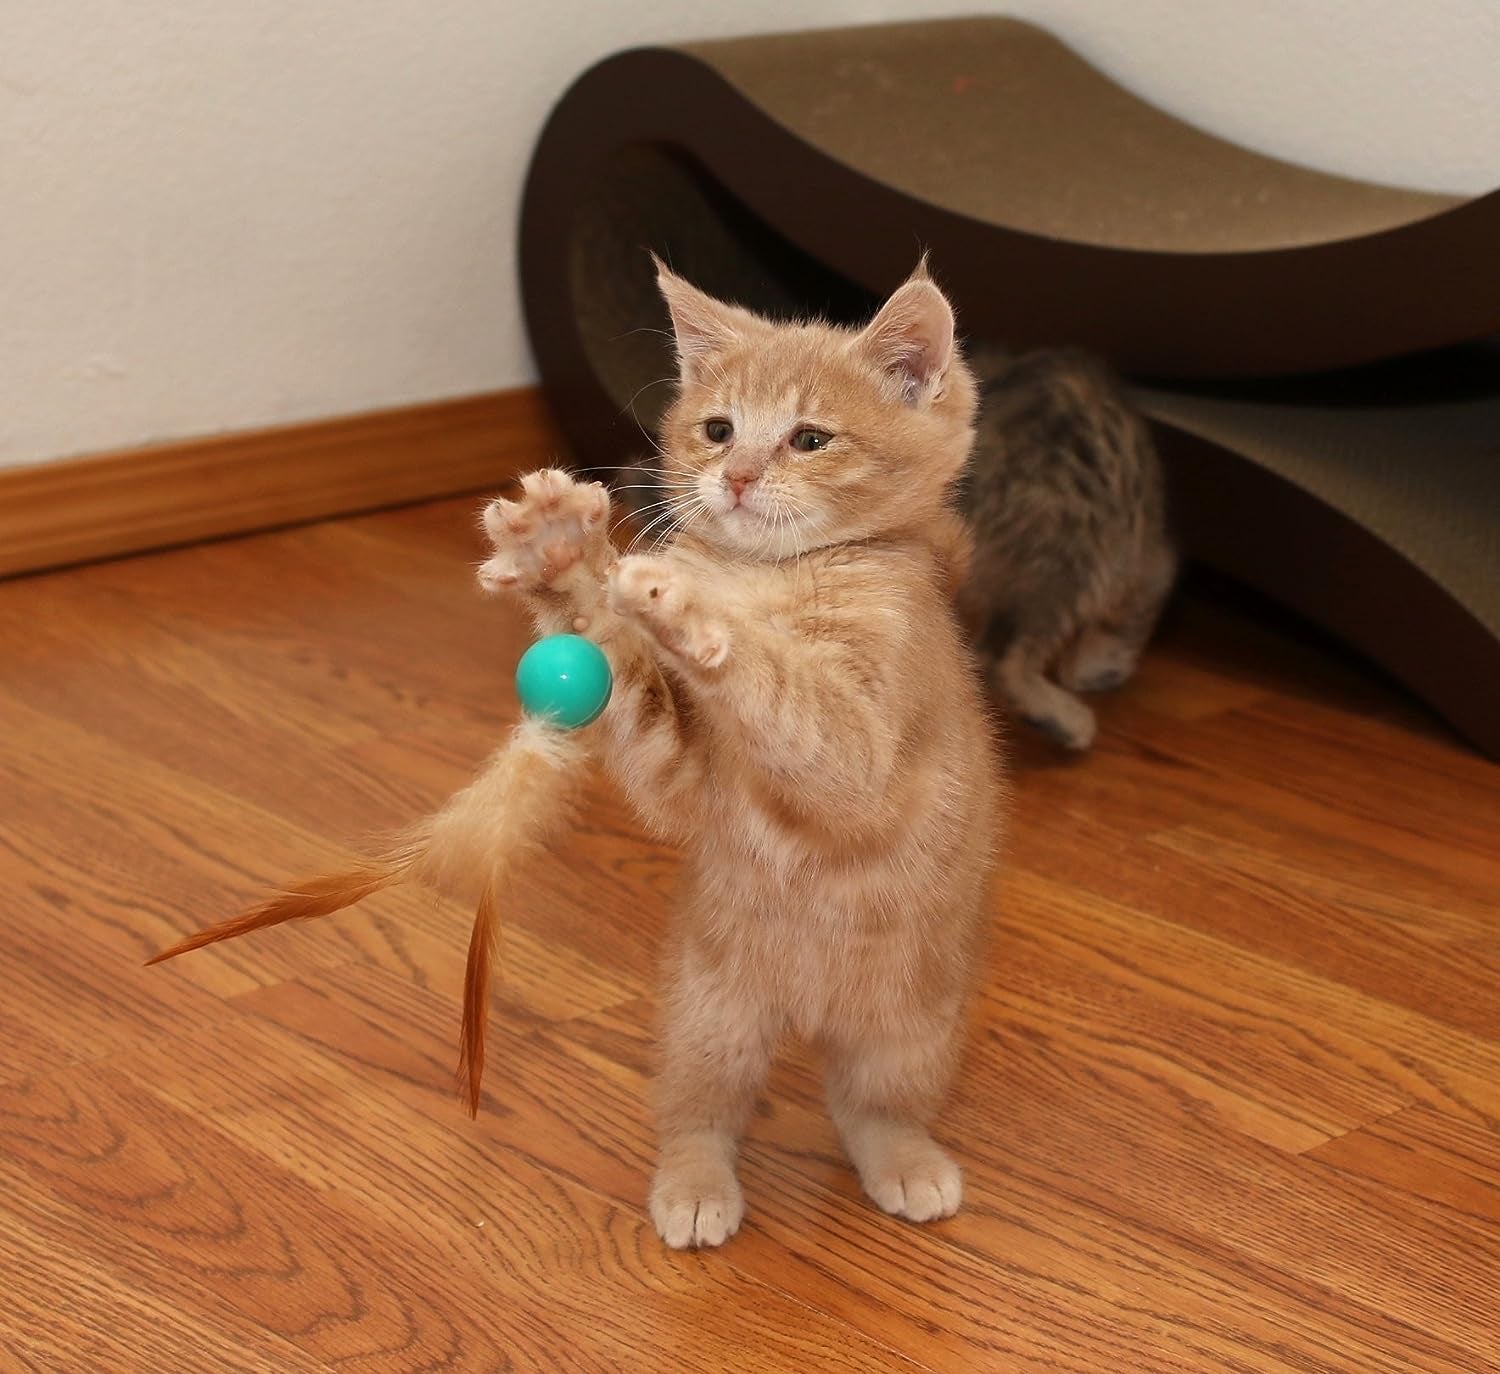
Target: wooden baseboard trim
x=82, y=509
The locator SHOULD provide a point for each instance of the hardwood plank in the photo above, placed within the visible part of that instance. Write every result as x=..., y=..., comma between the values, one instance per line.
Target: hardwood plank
x=109, y=504
x=66, y=1311
x=1427, y=796
x=67, y=1003
x=1182, y=691
x=129, y=854
x=1340, y=924
x=1235, y=1197
x=1204, y=1021
x=134, y=808
x=352, y=654
x=1160, y=776
x=1421, y=1152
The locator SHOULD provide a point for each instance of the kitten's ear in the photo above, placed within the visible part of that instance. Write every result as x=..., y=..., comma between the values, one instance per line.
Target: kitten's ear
x=701, y=325
x=911, y=338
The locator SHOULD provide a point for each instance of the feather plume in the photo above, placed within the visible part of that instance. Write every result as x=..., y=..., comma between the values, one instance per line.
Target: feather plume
x=522, y=798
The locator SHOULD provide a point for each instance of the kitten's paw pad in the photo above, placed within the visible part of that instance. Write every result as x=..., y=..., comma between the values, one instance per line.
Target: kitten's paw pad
x=655, y=592
x=556, y=524
x=696, y=1206
x=920, y=1184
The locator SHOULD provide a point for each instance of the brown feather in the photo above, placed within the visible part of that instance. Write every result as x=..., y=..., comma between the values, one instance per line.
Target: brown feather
x=522, y=797
x=477, y=1000
x=312, y=897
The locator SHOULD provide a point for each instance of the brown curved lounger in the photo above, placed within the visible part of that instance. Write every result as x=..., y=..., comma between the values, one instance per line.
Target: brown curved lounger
x=799, y=172
x=1378, y=519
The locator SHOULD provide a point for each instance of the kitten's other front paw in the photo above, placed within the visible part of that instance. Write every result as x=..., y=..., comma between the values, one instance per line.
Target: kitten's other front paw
x=655, y=592
x=696, y=1203
x=557, y=524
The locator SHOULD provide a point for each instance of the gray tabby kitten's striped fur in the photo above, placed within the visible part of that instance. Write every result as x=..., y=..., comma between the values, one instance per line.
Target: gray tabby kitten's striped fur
x=1072, y=558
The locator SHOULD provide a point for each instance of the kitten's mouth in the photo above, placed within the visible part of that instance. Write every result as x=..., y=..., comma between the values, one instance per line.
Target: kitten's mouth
x=740, y=511
x=757, y=522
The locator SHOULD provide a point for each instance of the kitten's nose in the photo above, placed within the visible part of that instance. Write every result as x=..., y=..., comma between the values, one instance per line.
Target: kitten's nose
x=737, y=482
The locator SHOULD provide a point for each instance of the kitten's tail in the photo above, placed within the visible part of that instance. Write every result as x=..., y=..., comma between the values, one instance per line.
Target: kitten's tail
x=520, y=800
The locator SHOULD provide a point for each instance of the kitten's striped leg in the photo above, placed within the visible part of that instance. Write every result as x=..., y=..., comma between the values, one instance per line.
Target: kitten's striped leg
x=882, y=1092
x=1098, y=660
x=1104, y=656
x=716, y=1051
x=1040, y=701
x=653, y=750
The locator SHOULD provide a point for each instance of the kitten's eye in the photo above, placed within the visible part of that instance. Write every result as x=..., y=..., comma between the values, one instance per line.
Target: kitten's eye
x=811, y=440
x=718, y=431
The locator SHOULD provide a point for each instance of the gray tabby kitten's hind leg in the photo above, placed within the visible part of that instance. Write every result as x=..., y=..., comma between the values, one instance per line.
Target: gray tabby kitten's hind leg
x=1103, y=656
x=1021, y=677
x=1099, y=660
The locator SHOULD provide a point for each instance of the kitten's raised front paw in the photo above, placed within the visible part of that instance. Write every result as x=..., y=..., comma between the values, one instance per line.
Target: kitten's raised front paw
x=696, y=1203
x=655, y=592
x=556, y=525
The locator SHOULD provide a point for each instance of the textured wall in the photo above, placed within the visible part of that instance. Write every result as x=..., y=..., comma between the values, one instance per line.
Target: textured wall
x=219, y=215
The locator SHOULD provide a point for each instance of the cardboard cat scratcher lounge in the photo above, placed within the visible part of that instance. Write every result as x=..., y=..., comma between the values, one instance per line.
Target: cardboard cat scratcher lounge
x=800, y=173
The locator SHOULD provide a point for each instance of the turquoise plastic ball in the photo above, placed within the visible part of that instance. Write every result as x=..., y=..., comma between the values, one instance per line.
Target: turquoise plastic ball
x=564, y=678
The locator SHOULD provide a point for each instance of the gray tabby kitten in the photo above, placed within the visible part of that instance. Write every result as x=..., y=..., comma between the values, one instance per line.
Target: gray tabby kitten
x=1072, y=560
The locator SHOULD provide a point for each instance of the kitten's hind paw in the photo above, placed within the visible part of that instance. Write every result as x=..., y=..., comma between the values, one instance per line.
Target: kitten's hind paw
x=696, y=1204
x=904, y=1171
x=927, y=1191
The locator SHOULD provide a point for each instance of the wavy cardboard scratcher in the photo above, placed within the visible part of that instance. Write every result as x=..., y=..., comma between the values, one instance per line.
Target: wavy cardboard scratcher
x=804, y=172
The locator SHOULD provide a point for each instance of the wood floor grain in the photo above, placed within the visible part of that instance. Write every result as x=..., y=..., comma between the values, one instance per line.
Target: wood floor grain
x=1232, y=1101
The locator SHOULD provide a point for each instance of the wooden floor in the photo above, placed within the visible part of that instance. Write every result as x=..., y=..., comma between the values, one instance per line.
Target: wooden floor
x=1232, y=1102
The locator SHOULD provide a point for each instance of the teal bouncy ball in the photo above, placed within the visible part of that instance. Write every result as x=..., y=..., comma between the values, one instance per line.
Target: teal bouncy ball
x=565, y=679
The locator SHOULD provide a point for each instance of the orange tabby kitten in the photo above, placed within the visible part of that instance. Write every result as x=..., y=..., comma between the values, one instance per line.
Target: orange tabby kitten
x=794, y=705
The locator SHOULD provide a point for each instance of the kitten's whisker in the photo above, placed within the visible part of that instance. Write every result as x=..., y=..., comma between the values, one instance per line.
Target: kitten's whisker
x=668, y=508
x=699, y=513
x=656, y=486
x=667, y=515
x=644, y=511
x=629, y=406
x=642, y=329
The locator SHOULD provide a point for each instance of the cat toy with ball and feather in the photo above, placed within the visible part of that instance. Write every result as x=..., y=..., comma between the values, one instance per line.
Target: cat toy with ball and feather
x=520, y=800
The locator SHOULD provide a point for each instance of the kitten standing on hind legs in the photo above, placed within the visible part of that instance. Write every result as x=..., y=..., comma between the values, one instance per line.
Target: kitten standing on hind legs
x=1072, y=560
x=794, y=705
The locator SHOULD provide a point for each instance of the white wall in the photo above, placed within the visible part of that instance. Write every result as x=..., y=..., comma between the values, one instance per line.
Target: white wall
x=220, y=214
